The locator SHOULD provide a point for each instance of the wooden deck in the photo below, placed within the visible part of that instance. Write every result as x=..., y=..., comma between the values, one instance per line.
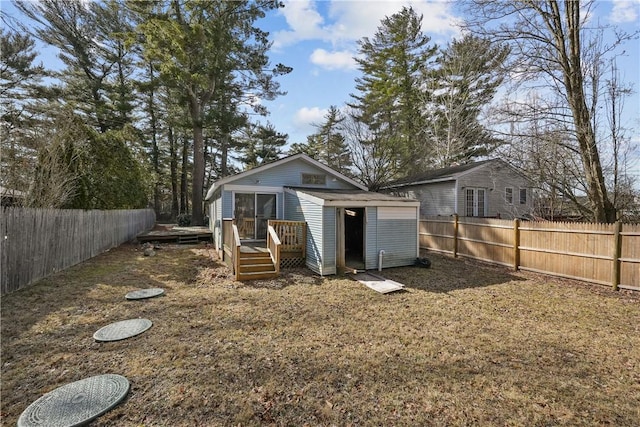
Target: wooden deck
x=186, y=235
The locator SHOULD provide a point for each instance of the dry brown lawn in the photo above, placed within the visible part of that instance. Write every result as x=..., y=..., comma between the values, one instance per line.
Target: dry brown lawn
x=465, y=344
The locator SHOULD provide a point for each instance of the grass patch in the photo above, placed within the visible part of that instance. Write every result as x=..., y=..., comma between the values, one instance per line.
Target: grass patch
x=465, y=344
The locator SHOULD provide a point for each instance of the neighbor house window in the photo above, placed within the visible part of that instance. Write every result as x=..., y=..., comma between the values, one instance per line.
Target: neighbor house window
x=523, y=196
x=508, y=195
x=313, y=179
x=475, y=202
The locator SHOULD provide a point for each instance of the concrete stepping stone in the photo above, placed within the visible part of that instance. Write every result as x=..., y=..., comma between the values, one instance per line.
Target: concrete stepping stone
x=121, y=330
x=144, y=293
x=76, y=403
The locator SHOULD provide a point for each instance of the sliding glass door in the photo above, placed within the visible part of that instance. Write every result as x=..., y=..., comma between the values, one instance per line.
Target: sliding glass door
x=252, y=212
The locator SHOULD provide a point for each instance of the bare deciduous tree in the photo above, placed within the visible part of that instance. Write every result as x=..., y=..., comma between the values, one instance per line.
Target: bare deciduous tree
x=553, y=52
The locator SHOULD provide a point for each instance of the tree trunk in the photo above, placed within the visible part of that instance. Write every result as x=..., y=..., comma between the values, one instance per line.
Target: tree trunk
x=184, y=202
x=603, y=209
x=173, y=153
x=197, y=217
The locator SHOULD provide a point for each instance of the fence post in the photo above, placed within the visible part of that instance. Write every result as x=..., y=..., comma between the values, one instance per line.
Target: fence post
x=516, y=244
x=617, y=249
x=455, y=235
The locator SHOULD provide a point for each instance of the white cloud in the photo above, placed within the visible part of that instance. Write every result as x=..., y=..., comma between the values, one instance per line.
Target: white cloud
x=348, y=21
x=303, y=20
x=305, y=118
x=624, y=11
x=336, y=60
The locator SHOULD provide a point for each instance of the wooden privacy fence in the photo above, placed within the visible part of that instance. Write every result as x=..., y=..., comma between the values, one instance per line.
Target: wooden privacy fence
x=37, y=242
x=607, y=254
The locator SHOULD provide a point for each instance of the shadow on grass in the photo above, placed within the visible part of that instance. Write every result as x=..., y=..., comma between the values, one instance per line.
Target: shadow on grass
x=288, y=277
x=449, y=274
x=95, y=285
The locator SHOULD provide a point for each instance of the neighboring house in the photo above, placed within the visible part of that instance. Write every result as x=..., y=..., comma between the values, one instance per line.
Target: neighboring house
x=346, y=225
x=9, y=197
x=490, y=188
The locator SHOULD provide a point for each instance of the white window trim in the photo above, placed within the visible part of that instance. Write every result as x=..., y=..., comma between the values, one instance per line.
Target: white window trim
x=505, y=195
x=475, y=201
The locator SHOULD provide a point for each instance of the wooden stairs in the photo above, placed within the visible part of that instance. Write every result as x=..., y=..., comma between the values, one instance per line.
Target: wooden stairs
x=256, y=265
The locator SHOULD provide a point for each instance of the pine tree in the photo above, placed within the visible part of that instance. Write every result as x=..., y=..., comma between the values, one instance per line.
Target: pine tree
x=393, y=65
x=468, y=75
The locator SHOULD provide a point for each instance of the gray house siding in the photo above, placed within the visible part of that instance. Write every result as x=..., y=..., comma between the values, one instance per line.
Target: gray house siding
x=494, y=179
x=297, y=209
x=227, y=204
x=290, y=175
x=435, y=199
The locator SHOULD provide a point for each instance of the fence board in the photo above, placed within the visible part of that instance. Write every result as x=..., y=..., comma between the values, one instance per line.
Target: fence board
x=37, y=242
x=575, y=250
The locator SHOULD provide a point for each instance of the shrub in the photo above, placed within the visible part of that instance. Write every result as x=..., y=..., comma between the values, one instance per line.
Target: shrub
x=184, y=220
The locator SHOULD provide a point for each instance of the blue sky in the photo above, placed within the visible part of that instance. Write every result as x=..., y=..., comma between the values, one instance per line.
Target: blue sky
x=318, y=39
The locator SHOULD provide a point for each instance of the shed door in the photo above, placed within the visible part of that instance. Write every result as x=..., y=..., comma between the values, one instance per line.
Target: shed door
x=350, y=242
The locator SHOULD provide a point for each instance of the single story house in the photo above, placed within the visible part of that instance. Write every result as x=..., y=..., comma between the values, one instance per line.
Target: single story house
x=345, y=225
x=489, y=188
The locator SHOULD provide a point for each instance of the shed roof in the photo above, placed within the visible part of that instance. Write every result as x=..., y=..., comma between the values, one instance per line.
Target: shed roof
x=350, y=198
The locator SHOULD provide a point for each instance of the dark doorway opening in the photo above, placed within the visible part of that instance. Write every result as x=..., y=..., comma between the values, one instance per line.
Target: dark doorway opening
x=354, y=237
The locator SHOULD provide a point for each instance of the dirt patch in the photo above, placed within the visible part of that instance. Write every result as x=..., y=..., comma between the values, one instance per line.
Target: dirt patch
x=464, y=344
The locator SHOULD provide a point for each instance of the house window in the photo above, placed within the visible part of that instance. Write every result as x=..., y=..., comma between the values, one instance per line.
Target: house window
x=313, y=179
x=508, y=195
x=475, y=202
x=523, y=196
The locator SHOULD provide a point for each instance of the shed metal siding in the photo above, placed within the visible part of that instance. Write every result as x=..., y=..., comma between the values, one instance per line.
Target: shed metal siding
x=399, y=240
x=297, y=209
x=329, y=240
x=289, y=174
x=371, y=239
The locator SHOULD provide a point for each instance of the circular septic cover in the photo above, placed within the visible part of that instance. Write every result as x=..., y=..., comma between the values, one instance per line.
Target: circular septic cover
x=144, y=293
x=76, y=403
x=121, y=330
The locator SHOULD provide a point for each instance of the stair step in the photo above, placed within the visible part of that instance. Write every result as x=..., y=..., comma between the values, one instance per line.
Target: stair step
x=188, y=239
x=253, y=268
x=255, y=254
x=254, y=260
x=257, y=275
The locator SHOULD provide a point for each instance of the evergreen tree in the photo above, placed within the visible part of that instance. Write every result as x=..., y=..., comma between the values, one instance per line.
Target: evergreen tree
x=469, y=73
x=263, y=145
x=20, y=89
x=199, y=43
x=393, y=65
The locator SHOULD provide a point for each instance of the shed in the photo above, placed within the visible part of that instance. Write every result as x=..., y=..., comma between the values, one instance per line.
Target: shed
x=344, y=224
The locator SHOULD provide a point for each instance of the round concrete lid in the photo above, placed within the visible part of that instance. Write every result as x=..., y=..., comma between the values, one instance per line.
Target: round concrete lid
x=121, y=330
x=76, y=403
x=144, y=293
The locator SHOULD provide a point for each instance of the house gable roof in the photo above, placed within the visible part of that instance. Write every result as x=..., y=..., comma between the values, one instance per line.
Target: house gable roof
x=444, y=174
x=280, y=162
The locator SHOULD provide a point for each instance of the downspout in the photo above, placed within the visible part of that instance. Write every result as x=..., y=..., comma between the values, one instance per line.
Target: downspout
x=380, y=256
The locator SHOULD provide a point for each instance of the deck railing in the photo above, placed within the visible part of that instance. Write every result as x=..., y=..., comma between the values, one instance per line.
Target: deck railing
x=292, y=234
x=274, y=244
